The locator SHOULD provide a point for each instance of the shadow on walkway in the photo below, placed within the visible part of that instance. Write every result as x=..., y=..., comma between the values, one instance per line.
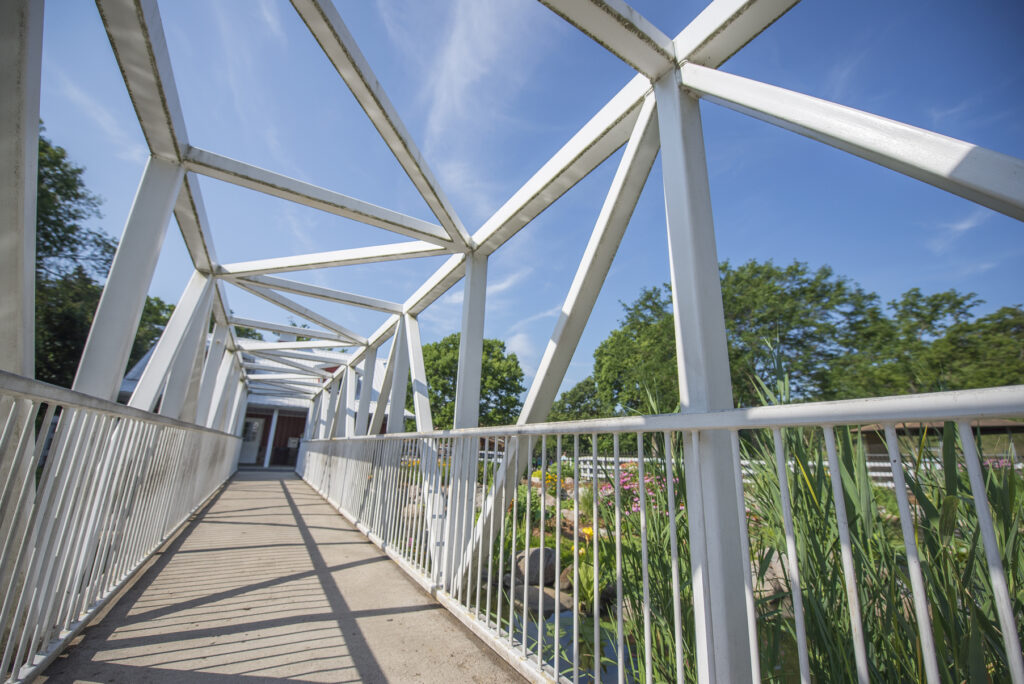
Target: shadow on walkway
x=268, y=583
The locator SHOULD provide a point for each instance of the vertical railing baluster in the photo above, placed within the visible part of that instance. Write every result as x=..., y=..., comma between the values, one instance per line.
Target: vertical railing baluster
x=846, y=553
x=924, y=627
x=1000, y=593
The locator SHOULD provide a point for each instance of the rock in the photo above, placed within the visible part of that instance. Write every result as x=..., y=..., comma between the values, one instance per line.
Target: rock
x=414, y=492
x=412, y=510
x=540, y=556
x=541, y=599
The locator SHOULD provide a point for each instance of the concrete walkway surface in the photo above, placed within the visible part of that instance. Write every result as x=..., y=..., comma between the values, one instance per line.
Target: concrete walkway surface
x=269, y=584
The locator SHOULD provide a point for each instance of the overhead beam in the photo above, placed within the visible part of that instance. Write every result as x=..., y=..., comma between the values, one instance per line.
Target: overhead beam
x=298, y=378
x=300, y=310
x=307, y=194
x=309, y=370
x=324, y=358
x=989, y=178
x=725, y=26
x=248, y=345
x=715, y=35
x=341, y=257
x=288, y=329
x=620, y=29
x=326, y=293
x=341, y=49
x=136, y=36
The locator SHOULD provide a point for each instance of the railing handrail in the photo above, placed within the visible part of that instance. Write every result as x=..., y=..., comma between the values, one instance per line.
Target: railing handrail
x=935, y=406
x=38, y=390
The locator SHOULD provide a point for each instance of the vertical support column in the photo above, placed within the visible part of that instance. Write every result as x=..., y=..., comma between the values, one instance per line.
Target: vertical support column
x=270, y=439
x=347, y=402
x=311, y=416
x=384, y=391
x=21, y=53
x=366, y=393
x=221, y=391
x=399, y=381
x=704, y=383
x=124, y=296
x=471, y=343
x=467, y=411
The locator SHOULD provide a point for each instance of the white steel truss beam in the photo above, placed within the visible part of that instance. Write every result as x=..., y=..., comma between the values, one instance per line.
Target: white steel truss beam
x=341, y=257
x=214, y=354
x=273, y=375
x=622, y=30
x=136, y=35
x=471, y=343
x=21, y=53
x=420, y=397
x=193, y=304
x=981, y=175
x=288, y=329
x=304, y=367
x=262, y=345
x=120, y=308
x=702, y=361
x=300, y=310
x=322, y=359
x=442, y=280
x=399, y=383
x=179, y=383
x=725, y=26
x=306, y=194
x=325, y=293
x=628, y=183
x=341, y=49
x=267, y=366
x=377, y=420
x=369, y=367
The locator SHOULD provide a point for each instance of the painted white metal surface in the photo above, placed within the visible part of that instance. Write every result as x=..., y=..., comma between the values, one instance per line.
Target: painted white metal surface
x=21, y=53
x=117, y=317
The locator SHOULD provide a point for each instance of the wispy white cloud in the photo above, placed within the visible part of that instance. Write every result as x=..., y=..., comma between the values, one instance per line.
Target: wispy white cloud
x=508, y=282
x=271, y=16
x=522, y=346
x=127, y=146
x=948, y=233
x=842, y=76
x=553, y=312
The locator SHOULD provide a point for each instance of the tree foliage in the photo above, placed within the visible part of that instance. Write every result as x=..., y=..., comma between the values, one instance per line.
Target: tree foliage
x=501, y=382
x=834, y=339
x=71, y=262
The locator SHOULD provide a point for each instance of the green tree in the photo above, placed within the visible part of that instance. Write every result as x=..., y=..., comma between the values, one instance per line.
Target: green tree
x=835, y=340
x=579, y=402
x=501, y=382
x=71, y=262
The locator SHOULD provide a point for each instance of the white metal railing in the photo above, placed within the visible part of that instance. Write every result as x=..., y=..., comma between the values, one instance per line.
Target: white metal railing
x=90, y=489
x=625, y=552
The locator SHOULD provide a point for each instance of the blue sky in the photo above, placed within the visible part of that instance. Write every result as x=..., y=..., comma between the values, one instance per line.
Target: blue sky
x=490, y=90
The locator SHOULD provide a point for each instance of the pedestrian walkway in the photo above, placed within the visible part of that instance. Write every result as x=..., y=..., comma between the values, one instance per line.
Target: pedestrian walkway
x=269, y=584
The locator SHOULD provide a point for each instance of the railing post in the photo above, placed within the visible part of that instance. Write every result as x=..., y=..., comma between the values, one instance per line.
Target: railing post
x=704, y=384
x=124, y=296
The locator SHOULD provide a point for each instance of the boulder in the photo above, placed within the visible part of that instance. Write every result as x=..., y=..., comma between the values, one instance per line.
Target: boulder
x=541, y=600
x=538, y=557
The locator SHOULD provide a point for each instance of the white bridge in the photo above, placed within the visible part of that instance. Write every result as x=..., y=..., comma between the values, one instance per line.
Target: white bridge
x=92, y=488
